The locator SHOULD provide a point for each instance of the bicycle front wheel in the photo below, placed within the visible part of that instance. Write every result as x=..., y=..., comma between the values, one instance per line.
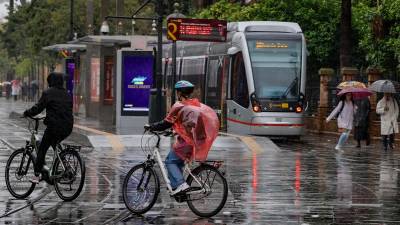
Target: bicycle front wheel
x=141, y=188
x=18, y=170
x=207, y=195
x=69, y=175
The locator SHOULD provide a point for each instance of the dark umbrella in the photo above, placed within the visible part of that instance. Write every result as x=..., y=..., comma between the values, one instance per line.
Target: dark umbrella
x=385, y=86
x=357, y=93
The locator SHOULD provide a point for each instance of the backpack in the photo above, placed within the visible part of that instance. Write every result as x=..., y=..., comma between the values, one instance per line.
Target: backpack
x=341, y=109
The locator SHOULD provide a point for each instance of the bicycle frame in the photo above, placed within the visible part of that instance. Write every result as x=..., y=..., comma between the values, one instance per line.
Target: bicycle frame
x=57, y=149
x=157, y=157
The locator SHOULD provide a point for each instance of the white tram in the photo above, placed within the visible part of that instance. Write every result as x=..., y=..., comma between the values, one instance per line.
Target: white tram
x=255, y=81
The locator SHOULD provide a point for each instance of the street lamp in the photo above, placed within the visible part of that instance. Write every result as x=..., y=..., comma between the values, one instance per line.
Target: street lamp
x=105, y=28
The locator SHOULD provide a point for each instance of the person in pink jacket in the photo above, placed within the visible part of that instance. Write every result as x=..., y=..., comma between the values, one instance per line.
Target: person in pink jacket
x=197, y=126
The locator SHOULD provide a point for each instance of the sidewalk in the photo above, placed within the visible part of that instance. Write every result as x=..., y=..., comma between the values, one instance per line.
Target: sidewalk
x=91, y=132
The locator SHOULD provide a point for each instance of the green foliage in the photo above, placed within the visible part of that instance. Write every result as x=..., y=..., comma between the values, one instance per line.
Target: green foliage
x=23, y=68
x=384, y=52
x=320, y=22
x=6, y=64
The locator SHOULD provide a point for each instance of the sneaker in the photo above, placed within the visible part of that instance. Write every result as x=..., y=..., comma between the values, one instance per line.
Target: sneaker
x=337, y=147
x=181, y=188
x=35, y=179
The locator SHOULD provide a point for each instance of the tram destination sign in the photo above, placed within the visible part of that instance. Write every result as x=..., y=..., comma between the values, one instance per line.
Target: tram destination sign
x=187, y=29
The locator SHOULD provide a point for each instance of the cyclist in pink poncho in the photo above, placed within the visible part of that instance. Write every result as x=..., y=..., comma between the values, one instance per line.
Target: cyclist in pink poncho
x=197, y=127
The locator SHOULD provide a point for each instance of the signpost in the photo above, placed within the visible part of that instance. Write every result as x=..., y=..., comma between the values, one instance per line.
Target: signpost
x=187, y=29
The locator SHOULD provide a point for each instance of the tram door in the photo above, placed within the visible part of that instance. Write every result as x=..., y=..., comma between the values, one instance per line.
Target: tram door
x=238, y=114
x=215, y=92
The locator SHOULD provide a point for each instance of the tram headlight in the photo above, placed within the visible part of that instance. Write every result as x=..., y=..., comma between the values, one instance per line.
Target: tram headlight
x=256, y=108
x=299, y=109
x=254, y=102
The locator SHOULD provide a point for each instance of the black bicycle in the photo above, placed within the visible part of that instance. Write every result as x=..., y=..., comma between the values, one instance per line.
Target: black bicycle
x=206, y=196
x=67, y=172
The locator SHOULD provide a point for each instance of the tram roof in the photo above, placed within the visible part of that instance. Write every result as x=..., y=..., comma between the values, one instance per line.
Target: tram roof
x=264, y=26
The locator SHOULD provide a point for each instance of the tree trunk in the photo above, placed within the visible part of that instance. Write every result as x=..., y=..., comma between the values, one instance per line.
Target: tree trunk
x=105, y=6
x=119, y=10
x=11, y=6
x=119, y=7
x=345, y=34
x=89, y=17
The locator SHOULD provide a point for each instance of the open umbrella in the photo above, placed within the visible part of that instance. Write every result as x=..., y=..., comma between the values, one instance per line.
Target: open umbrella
x=385, y=86
x=357, y=93
x=348, y=84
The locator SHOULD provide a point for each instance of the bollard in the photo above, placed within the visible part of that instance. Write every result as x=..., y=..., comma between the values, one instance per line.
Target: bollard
x=325, y=76
x=349, y=73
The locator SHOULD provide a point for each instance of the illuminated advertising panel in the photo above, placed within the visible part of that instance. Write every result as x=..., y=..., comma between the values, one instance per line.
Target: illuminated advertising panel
x=70, y=70
x=137, y=80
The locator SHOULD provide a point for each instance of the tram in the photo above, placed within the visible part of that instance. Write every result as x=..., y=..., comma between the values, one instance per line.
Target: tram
x=255, y=81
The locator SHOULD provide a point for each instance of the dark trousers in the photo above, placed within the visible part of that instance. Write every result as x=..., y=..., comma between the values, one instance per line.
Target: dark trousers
x=50, y=138
x=388, y=140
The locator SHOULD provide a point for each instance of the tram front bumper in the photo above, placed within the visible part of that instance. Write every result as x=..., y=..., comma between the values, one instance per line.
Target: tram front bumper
x=278, y=126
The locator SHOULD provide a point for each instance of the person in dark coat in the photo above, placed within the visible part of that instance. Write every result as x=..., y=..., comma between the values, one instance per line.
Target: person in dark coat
x=361, y=121
x=59, y=119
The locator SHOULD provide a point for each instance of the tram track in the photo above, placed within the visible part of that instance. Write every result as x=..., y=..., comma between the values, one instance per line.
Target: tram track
x=30, y=202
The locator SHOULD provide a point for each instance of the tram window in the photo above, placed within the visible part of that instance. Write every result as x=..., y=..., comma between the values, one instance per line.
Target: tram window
x=193, y=71
x=212, y=98
x=239, y=89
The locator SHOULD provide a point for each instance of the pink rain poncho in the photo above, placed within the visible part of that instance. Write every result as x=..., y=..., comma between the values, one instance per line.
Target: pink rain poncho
x=197, y=126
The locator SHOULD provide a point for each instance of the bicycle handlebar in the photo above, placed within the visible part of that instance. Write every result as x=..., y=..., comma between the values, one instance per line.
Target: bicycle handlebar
x=165, y=133
x=36, y=119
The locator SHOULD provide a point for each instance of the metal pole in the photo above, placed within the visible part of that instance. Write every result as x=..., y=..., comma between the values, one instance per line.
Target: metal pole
x=173, y=72
x=159, y=110
x=71, y=21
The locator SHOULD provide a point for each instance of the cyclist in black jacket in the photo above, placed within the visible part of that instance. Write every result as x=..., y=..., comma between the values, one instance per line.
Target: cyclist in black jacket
x=59, y=119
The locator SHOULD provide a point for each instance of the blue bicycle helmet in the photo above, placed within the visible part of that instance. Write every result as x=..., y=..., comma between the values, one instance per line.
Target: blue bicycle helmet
x=183, y=84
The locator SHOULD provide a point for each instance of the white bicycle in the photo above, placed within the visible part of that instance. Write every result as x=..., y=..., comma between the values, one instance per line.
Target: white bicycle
x=206, y=196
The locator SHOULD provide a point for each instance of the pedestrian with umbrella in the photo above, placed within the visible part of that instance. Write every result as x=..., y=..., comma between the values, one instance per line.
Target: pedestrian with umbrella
x=345, y=112
x=388, y=109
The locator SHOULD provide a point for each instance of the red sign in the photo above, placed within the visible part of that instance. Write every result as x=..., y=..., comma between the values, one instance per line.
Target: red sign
x=108, y=81
x=186, y=29
x=95, y=80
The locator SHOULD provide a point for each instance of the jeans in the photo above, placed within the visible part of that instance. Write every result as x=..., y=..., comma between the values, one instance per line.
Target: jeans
x=343, y=138
x=175, y=166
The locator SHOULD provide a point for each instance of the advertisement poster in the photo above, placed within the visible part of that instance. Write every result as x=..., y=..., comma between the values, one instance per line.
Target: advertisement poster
x=70, y=75
x=108, y=80
x=137, y=82
x=95, y=80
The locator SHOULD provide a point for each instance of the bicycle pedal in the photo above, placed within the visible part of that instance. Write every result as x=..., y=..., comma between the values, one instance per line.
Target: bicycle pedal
x=180, y=197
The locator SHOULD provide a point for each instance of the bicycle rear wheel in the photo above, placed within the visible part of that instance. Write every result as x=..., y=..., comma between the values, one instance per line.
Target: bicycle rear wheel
x=141, y=188
x=18, y=170
x=209, y=202
x=69, y=183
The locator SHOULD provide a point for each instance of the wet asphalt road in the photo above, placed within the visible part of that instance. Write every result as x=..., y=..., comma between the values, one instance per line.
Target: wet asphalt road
x=305, y=182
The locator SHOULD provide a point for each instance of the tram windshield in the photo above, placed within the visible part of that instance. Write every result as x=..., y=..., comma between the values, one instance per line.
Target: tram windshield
x=276, y=65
